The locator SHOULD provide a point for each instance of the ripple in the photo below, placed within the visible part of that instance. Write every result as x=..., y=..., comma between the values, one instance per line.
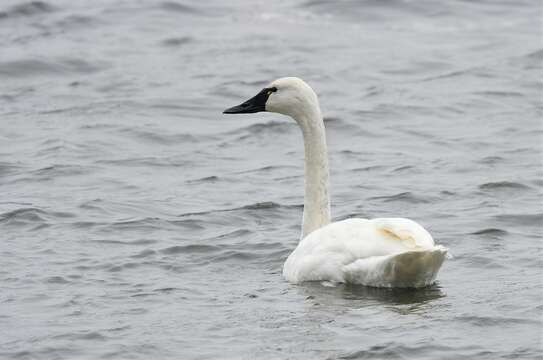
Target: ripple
x=491, y=160
x=37, y=67
x=7, y=168
x=234, y=255
x=265, y=205
x=72, y=22
x=538, y=55
x=492, y=232
x=141, y=224
x=176, y=41
x=31, y=8
x=261, y=205
x=371, y=11
x=207, y=179
x=190, y=249
x=120, y=242
x=51, y=172
x=521, y=219
x=121, y=267
x=494, y=93
x=265, y=169
x=167, y=289
x=153, y=136
x=485, y=321
x=503, y=185
x=480, y=262
x=368, y=168
x=34, y=217
x=179, y=8
x=91, y=335
x=144, y=253
x=26, y=214
x=402, y=197
x=406, y=168
x=57, y=280
x=270, y=127
x=532, y=60
x=149, y=161
x=393, y=350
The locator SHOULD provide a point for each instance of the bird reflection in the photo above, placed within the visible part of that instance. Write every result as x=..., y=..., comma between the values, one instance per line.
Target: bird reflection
x=349, y=295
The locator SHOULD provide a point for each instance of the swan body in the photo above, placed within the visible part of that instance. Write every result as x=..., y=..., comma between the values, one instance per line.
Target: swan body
x=390, y=252
x=386, y=252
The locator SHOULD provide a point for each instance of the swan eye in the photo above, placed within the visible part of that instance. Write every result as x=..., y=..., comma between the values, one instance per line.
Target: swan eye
x=271, y=90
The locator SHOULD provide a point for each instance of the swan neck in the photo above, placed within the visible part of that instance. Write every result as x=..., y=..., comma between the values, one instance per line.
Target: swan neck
x=316, y=198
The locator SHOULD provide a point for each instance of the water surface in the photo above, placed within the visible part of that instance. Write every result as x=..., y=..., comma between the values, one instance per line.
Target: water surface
x=138, y=222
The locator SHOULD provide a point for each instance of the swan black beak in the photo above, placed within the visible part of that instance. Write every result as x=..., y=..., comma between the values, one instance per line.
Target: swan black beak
x=255, y=104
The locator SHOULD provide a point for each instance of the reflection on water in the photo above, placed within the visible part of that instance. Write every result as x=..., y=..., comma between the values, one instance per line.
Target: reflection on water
x=358, y=295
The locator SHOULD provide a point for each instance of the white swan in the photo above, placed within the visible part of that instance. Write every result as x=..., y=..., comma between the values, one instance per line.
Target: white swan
x=388, y=252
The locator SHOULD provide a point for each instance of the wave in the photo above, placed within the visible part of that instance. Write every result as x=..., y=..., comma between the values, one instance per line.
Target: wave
x=271, y=252
x=149, y=161
x=494, y=232
x=265, y=169
x=160, y=138
x=57, y=170
x=27, y=9
x=32, y=216
x=7, y=168
x=57, y=280
x=141, y=225
x=537, y=55
x=144, y=253
x=270, y=127
x=500, y=94
x=40, y=67
x=491, y=160
x=503, y=185
x=206, y=179
x=371, y=10
x=138, y=242
x=402, y=197
x=261, y=205
x=406, y=168
x=176, y=41
x=179, y=8
x=394, y=350
x=521, y=219
x=72, y=22
x=190, y=249
x=532, y=60
x=500, y=321
x=481, y=262
x=265, y=205
x=369, y=168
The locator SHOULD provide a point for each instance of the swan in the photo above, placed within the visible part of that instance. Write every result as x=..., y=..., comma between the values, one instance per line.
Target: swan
x=383, y=252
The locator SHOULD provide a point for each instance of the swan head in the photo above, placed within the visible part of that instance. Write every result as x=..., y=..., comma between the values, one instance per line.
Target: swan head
x=289, y=96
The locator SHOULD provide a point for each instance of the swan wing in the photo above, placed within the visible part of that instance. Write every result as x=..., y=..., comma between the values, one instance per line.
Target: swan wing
x=408, y=269
x=409, y=233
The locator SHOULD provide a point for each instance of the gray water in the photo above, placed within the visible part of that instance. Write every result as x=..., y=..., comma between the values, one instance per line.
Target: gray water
x=138, y=222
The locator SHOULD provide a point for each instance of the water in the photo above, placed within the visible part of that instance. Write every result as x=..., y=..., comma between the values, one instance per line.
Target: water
x=138, y=222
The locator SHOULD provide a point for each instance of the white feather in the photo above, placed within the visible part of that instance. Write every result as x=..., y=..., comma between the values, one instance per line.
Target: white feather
x=392, y=252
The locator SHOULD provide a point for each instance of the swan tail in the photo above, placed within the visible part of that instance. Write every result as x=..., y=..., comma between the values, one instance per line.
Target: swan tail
x=410, y=269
